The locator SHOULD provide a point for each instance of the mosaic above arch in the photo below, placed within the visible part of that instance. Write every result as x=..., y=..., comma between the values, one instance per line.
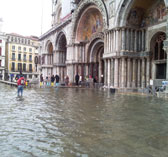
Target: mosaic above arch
x=91, y=23
x=144, y=17
x=84, y=4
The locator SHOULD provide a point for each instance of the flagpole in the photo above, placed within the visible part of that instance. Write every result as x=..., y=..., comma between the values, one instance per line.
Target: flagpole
x=42, y=17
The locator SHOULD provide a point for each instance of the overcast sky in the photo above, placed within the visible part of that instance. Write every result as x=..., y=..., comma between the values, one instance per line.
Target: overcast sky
x=25, y=17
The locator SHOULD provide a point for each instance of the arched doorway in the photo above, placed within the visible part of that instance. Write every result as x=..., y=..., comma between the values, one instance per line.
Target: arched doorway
x=61, y=56
x=47, y=59
x=89, y=32
x=159, y=55
x=95, y=59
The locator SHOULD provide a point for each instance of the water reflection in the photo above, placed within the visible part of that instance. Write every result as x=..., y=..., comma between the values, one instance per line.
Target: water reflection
x=81, y=123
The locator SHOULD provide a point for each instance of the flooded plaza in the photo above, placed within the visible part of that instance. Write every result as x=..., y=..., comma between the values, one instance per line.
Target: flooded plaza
x=70, y=122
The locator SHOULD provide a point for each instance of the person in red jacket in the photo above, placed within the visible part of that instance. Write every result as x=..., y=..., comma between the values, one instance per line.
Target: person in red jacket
x=20, y=83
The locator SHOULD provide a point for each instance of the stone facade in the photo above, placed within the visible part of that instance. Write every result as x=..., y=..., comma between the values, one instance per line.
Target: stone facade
x=3, y=39
x=120, y=43
x=21, y=52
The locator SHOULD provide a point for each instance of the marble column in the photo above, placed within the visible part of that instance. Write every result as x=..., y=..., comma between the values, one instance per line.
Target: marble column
x=148, y=71
x=143, y=73
x=117, y=40
x=123, y=76
x=114, y=41
x=116, y=78
x=128, y=72
x=100, y=69
x=112, y=72
x=46, y=56
x=108, y=73
x=108, y=47
x=105, y=72
x=128, y=40
x=111, y=42
x=134, y=73
x=105, y=42
x=119, y=71
x=123, y=40
x=139, y=73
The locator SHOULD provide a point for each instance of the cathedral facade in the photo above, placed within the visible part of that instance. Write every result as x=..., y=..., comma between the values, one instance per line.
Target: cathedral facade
x=120, y=42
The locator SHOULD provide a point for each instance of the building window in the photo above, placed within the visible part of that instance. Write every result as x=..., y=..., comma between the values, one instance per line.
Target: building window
x=24, y=49
x=24, y=58
x=30, y=67
x=28, y=42
x=30, y=49
x=13, y=66
x=22, y=41
x=39, y=59
x=13, y=47
x=19, y=66
x=30, y=58
x=19, y=48
x=19, y=57
x=0, y=63
x=13, y=56
x=24, y=67
x=0, y=51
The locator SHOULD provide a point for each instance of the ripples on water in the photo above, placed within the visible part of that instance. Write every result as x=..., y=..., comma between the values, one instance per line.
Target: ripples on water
x=81, y=123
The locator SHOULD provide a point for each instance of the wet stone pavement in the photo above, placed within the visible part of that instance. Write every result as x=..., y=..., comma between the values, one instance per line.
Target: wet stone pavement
x=52, y=122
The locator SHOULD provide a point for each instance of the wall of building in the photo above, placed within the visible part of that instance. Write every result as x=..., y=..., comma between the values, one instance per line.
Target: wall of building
x=127, y=28
x=3, y=55
x=22, y=50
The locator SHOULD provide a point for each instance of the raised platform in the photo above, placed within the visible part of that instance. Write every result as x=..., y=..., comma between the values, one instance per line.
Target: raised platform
x=9, y=83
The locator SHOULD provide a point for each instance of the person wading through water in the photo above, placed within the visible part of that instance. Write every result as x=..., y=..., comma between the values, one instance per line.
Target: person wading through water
x=20, y=83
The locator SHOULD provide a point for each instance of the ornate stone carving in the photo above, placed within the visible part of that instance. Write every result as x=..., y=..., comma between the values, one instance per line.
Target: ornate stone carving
x=98, y=3
x=97, y=35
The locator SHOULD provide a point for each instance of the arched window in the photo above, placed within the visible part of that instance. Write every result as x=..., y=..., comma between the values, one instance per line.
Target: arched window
x=159, y=53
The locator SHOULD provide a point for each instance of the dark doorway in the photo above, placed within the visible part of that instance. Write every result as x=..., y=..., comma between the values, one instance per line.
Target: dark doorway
x=161, y=71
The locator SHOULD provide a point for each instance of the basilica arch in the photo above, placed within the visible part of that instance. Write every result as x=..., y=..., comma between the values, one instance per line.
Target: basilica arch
x=136, y=21
x=60, y=55
x=158, y=56
x=47, y=59
x=88, y=35
x=95, y=59
x=83, y=6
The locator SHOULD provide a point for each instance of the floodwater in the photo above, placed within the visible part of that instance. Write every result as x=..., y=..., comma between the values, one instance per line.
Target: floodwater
x=50, y=122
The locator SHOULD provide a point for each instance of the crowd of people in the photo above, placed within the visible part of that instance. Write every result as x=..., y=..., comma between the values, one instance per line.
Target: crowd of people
x=49, y=80
x=54, y=81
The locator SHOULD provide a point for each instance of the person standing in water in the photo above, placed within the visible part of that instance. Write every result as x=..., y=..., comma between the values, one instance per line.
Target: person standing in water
x=20, y=83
